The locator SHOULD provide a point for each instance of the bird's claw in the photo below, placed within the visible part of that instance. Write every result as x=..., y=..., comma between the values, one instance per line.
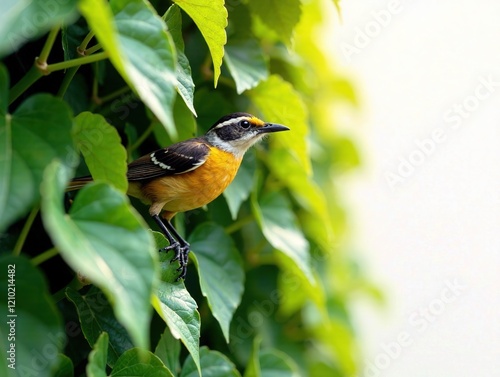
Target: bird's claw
x=181, y=255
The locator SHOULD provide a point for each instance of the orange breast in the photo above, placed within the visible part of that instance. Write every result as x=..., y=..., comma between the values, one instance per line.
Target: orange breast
x=183, y=192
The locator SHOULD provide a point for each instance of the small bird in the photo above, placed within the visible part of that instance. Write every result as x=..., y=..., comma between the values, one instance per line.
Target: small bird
x=191, y=173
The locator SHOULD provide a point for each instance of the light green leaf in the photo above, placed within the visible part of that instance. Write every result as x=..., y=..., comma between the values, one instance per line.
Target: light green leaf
x=98, y=357
x=185, y=122
x=211, y=18
x=65, y=367
x=104, y=239
x=253, y=366
x=213, y=364
x=140, y=48
x=23, y=20
x=280, y=103
x=139, y=363
x=37, y=132
x=96, y=316
x=246, y=63
x=185, y=84
x=274, y=363
x=102, y=149
x=279, y=225
x=220, y=269
x=280, y=16
x=176, y=306
x=240, y=188
x=30, y=316
x=168, y=350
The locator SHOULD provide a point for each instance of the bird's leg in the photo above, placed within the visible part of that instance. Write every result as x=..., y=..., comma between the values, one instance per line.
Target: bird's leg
x=177, y=243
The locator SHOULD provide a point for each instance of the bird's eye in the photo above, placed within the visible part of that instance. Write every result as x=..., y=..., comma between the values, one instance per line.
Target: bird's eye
x=245, y=123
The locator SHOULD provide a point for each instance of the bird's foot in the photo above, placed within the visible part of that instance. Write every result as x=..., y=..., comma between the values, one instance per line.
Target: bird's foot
x=181, y=254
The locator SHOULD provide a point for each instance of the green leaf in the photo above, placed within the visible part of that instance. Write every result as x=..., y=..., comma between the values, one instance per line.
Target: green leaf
x=38, y=131
x=211, y=18
x=22, y=21
x=279, y=225
x=65, y=367
x=240, y=188
x=168, y=350
x=140, y=48
x=253, y=366
x=185, y=84
x=102, y=149
x=139, y=363
x=280, y=16
x=220, y=269
x=246, y=63
x=213, y=364
x=96, y=316
x=30, y=316
x=186, y=125
x=104, y=239
x=274, y=363
x=176, y=306
x=98, y=357
x=277, y=100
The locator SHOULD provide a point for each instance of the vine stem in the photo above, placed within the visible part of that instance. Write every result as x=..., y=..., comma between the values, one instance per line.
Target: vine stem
x=47, y=47
x=38, y=70
x=46, y=255
x=76, y=62
x=29, y=79
x=86, y=41
x=24, y=232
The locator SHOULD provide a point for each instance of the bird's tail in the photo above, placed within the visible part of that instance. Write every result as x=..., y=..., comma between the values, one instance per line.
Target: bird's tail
x=78, y=183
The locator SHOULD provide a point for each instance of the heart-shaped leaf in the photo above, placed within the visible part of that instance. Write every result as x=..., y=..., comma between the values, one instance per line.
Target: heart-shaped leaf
x=38, y=131
x=211, y=18
x=220, y=269
x=104, y=239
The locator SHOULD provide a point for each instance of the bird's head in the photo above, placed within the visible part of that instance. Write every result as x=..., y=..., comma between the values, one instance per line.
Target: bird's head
x=237, y=132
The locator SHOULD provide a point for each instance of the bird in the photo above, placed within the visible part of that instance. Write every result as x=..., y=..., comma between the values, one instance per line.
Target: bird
x=191, y=173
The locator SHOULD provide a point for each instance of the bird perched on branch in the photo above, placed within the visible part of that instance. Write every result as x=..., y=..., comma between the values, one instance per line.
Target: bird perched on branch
x=191, y=173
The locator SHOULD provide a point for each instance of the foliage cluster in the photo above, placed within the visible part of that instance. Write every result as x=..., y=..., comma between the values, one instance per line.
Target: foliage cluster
x=269, y=285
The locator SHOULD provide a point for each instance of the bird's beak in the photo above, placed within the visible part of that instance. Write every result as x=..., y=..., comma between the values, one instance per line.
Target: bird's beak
x=271, y=127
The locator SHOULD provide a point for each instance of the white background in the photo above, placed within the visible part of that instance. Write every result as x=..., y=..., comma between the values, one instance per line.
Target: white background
x=440, y=224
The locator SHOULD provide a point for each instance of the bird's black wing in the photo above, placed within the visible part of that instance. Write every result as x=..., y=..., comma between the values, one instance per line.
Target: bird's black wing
x=176, y=159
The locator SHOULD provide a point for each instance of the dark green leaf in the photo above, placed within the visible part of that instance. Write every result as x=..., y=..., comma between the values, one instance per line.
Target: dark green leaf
x=139, y=363
x=21, y=21
x=220, y=269
x=246, y=63
x=168, y=350
x=37, y=132
x=72, y=36
x=96, y=316
x=280, y=16
x=98, y=357
x=31, y=326
x=105, y=240
x=185, y=84
x=213, y=364
x=279, y=225
x=211, y=18
x=140, y=48
x=65, y=367
x=274, y=363
x=240, y=188
x=102, y=149
x=176, y=306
